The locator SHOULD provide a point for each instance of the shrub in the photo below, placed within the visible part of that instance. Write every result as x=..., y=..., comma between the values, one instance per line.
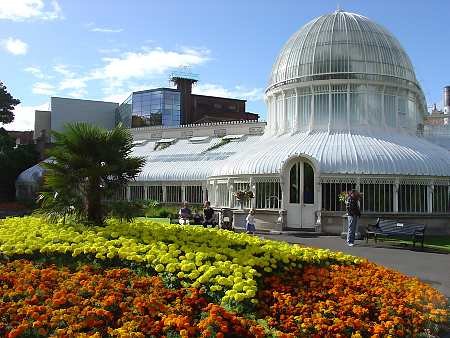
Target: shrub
x=126, y=211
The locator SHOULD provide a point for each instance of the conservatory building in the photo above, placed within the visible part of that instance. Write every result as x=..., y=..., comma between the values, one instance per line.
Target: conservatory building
x=345, y=111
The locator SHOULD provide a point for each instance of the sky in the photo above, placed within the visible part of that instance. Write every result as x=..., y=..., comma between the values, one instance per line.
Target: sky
x=105, y=49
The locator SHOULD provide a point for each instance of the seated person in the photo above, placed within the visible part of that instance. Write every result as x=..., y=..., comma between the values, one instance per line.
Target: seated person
x=208, y=212
x=198, y=219
x=184, y=214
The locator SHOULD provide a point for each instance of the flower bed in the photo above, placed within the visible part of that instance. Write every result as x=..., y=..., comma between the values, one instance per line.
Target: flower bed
x=49, y=301
x=197, y=282
x=365, y=300
x=226, y=263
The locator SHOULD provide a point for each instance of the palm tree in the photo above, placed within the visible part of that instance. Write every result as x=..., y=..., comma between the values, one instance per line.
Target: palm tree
x=88, y=164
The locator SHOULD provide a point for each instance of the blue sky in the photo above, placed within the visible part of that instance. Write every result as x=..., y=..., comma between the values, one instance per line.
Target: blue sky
x=101, y=49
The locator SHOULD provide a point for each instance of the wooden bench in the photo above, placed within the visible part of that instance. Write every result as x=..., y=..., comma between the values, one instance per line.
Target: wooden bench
x=393, y=228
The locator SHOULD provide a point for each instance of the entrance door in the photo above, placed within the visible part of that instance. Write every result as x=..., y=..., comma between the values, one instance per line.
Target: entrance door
x=300, y=211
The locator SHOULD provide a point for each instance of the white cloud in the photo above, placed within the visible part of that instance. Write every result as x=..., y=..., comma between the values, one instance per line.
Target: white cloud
x=106, y=30
x=148, y=63
x=72, y=83
x=238, y=92
x=78, y=93
x=77, y=85
x=20, y=10
x=119, y=94
x=63, y=70
x=118, y=73
x=24, y=117
x=118, y=97
x=43, y=88
x=35, y=71
x=15, y=46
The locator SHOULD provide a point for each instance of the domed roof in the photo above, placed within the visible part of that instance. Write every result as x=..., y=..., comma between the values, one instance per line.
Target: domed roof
x=338, y=45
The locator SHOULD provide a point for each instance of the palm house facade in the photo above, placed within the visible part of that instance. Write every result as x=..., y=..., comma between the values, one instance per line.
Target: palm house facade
x=345, y=111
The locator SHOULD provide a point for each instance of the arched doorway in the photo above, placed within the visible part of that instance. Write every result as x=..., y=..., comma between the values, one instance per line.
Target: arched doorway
x=301, y=195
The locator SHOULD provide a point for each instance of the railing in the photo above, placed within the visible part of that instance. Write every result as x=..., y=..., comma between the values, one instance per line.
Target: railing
x=209, y=124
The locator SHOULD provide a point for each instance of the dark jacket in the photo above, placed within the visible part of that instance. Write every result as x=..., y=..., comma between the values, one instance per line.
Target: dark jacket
x=353, y=207
x=209, y=213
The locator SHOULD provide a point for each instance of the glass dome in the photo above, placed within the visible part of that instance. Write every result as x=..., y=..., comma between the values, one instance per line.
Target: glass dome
x=339, y=44
x=342, y=71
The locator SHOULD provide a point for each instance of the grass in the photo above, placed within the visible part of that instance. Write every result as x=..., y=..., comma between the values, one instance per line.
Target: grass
x=431, y=242
x=155, y=219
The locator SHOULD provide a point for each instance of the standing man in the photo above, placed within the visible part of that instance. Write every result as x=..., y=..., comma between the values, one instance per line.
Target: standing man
x=353, y=213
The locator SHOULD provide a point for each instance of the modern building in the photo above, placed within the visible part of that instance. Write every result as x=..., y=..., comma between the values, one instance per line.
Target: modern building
x=174, y=107
x=168, y=107
x=67, y=110
x=345, y=110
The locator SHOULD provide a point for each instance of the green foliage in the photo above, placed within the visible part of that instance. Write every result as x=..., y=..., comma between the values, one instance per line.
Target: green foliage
x=158, y=210
x=126, y=211
x=342, y=197
x=89, y=165
x=170, y=280
x=152, y=204
x=161, y=210
x=54, y=206
x=244, y=195
x=7, y=104
x=13, y=160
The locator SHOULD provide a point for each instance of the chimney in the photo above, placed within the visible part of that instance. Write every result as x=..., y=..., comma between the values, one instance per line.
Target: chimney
x=447, y=99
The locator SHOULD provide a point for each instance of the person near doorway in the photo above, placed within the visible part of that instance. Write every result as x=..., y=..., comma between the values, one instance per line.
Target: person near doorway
x=250, y=222
x=184, y=214
x=353, y=213
x=208, y=214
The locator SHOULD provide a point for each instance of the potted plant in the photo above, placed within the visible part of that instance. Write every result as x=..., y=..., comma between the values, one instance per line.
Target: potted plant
x=243, y=196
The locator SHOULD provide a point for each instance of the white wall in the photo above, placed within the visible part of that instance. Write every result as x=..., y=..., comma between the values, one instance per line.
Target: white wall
x=217, y=129
x=65, y=110
x=41, y=122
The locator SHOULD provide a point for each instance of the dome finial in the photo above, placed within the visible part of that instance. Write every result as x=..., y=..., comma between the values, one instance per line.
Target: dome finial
x=338, y=8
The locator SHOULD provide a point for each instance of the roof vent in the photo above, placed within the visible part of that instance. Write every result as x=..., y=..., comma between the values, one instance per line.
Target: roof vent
x=166, y=140
x=233, y=137
x=138, y=143
x=164, y=143
x=199, y=139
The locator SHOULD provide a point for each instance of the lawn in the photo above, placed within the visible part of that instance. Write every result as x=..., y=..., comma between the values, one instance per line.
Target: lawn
x=152, y=279
x=432, y=242
x=155, y=219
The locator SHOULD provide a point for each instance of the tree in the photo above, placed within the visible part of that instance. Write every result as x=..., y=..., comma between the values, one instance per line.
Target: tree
x=7, y=104
x=13, y=160
x=88, y=164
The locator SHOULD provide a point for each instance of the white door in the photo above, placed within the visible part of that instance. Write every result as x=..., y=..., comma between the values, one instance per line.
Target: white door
x=300, y=206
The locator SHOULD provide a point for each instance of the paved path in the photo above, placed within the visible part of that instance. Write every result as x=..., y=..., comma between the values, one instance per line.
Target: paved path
x=432, y=268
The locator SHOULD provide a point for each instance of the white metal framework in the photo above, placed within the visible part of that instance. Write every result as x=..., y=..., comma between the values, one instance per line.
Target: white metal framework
x=384, y=195
x=137, y=193
x=194, y=194
x=345, y=111
x=341, y=71
x=173, y=194
x=155, y=193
